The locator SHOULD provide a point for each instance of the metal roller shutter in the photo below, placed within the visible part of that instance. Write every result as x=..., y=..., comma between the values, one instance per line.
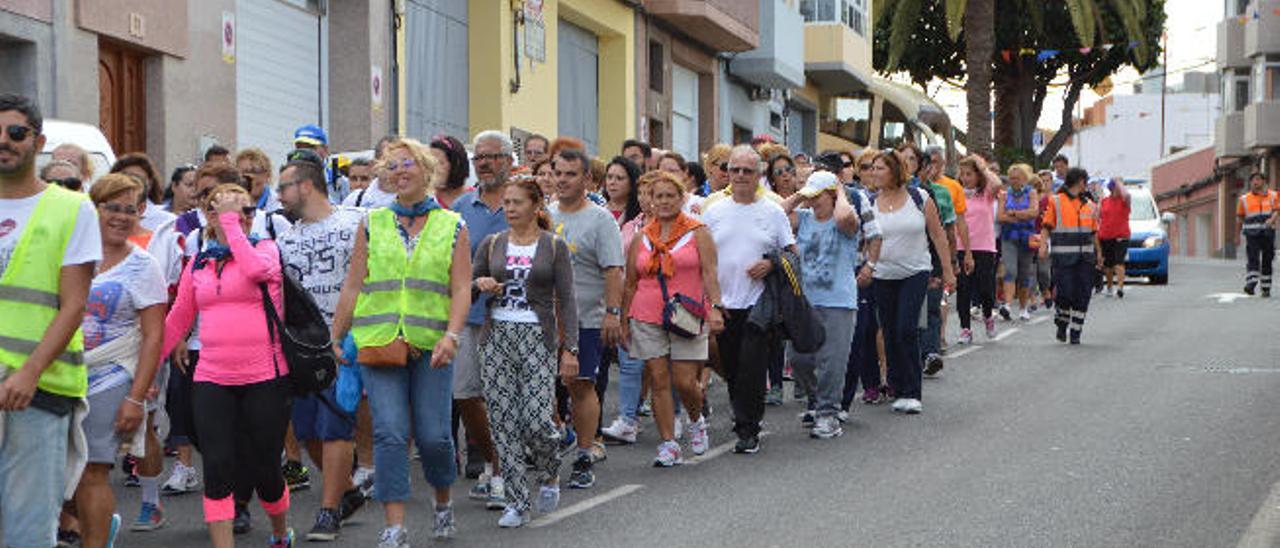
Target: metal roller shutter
x=279, y=72
x=437, y=57
x=579, y=55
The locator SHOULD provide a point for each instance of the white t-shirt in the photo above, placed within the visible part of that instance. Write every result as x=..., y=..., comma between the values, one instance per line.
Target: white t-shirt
x=318, y=255
x=744, y=234
x=166, y=246
x=374, y=197
x=115, y=298
x=904, y=251
x=85, y=245
x=155, y=216
x=513, y=305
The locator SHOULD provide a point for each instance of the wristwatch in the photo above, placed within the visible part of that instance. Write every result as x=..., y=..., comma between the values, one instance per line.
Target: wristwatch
x=718, y=306
x=571, y=348
x=616, y=311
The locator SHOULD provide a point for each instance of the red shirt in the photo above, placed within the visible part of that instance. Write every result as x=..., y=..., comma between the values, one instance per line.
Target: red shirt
x=1114, y=224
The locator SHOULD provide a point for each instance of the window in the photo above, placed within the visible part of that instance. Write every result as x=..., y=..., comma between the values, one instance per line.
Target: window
x=850, y=119
x=1235, y=90
x=1266, y=77
x=850, y=13
x=1236, y=7
x=657, y=66
x=657, y=133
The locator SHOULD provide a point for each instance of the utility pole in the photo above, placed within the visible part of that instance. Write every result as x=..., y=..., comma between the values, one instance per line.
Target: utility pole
x=1164, y=87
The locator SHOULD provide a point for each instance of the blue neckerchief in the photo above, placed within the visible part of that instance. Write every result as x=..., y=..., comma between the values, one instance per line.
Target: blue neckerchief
x=216, y=251
x=262, y=200
x=419, y=209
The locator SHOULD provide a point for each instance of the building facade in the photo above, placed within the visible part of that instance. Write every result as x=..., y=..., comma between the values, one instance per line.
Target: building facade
x=1247, y=135
x=1185, y=184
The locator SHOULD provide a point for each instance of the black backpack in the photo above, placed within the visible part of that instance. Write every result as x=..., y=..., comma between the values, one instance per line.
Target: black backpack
x=304, y=338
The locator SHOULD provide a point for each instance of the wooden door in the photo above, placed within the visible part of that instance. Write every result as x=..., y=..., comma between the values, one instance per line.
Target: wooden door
x=122, y=100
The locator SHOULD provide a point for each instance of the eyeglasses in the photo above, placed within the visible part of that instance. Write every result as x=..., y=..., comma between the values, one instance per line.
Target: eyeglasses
x=866, y=166
x=285, y=184
x=119, y=209
x=18, y=133
x=253, y=171
x=778, y=172
x=69, y=183
x=738, y=170
x=847, y=165
x=491, y=156
x=397, y=166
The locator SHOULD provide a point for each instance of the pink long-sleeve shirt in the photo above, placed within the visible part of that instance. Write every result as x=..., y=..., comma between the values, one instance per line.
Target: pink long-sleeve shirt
x=233, y=324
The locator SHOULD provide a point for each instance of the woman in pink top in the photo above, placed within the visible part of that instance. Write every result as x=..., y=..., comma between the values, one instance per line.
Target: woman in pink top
x=981, y=190
x=679, y=248
x=240, y=396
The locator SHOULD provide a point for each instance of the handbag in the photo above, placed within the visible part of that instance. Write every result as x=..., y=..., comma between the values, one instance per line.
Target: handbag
x=303, y=336
x=396, y=353
x=681, y=314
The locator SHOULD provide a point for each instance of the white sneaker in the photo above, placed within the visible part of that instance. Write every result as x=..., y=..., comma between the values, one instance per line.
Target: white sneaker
x=1024, y=316
x=910, y=406
x=512, y=517
x=698, y=439
x=497, y=499
x=623, y=430
x=679, y=426
x=825, y=428
x=184, y=479
x=842, y=416
x=668, y=455
x=548, y=499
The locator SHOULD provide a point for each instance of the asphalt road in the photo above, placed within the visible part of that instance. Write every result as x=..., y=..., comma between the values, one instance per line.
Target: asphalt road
x=1160, y=430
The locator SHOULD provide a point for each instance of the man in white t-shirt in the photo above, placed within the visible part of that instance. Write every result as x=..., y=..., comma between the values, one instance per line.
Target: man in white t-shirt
x=745, y=227
x=37, y=422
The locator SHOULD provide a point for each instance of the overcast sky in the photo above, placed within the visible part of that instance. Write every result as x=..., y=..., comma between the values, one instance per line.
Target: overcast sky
x=1192, y=28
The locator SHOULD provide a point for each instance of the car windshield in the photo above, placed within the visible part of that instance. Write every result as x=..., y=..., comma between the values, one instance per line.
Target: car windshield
x=1141, y=207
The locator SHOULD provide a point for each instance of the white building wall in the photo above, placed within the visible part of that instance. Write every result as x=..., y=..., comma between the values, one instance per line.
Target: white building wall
x=1129, y=142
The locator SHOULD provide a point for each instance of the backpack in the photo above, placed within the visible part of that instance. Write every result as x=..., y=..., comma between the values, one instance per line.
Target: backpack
x=304, y=338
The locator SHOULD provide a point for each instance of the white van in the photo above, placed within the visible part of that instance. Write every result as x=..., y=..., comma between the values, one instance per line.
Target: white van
x=89, y=137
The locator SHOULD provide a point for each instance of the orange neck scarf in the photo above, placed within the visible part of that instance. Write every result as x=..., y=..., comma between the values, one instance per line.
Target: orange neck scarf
x=662, y=259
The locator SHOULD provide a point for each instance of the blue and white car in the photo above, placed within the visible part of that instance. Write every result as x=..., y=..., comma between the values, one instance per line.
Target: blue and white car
x=1148, y=236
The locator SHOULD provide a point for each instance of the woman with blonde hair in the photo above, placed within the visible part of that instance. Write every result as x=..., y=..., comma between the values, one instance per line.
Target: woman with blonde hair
x=1017, y=216
x=405, y=301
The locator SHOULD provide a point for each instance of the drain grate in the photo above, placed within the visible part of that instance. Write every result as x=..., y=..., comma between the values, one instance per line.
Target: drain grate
x=1222, y=367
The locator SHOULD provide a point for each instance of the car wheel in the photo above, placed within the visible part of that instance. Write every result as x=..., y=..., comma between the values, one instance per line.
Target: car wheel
x=1161, y=279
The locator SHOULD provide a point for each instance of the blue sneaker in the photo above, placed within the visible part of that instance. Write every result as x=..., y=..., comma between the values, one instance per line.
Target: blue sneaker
x=115, y=530
x=568, y=439
x=281, y=542
x=150, y=518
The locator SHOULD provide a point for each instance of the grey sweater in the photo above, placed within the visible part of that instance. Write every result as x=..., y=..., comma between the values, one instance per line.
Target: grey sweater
x=549, y=290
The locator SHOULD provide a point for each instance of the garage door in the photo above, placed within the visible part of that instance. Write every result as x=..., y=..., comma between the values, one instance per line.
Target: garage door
x=579, y=55
x=436, y=58
x=279, y=72
x=684, y=112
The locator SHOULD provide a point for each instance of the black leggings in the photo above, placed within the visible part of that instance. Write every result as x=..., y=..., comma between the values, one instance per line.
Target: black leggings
x=979, y=287
x=241, y=431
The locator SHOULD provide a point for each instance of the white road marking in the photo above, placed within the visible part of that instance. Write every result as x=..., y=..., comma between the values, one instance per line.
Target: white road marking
x=1041, y=319
x=969, y=350
x=1264, y=530
x=1004, y=334
x=1226, y=298
x=583, y=506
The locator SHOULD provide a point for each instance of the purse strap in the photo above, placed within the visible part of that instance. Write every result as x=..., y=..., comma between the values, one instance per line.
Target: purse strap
x=273, y=324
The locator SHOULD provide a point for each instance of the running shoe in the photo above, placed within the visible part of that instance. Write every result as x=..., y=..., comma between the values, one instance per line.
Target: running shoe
x=583, y=475
x=512, y=517
x=568, y=439
x=352, y=501
x=910, y=406
x=444, y=526
x=872, y=396
x=1249, y=288
x=1025, y=315
x=843, y=415
x=1004, y=312
x=774, y=396
x=1075, y=337
x=243, y=522
x=645, y=409
x=480, y=491
x=150, y=518
x=282, y=542
x=887, y=393
x=1033, y=306
x=129, y=466
x=296, y=475
x=548, y=499
x=787, y=373
x=393, y=537
x=68, y=539
x=623, y=430
x=363, y=480
x=668, y=455
x=932, y=364
x=327, y=526
x=114, y=531
x=497, y=499
x=184, y=479
x=1062, y=332
x=826, y=428
x=749, y=445
x=966, y=336
x=1109, y=292
x=1120, y=293
x=991, y=327
x=698, y=439
x=807, y=419
x=598, y=453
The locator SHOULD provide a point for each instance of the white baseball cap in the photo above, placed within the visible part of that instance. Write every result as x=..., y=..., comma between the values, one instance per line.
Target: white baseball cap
x=819, y=182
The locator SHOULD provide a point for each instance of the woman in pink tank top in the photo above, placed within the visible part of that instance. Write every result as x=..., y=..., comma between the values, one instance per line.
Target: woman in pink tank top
x=678, y=248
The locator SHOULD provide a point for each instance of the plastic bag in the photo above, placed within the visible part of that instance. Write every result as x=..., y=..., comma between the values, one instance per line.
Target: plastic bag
x=350, y=386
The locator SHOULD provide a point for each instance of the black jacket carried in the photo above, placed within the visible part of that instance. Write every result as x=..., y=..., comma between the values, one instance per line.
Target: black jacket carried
x=784, y=307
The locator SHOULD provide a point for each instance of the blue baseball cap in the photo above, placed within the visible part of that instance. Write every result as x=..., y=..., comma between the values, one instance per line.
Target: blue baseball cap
x=311, y=134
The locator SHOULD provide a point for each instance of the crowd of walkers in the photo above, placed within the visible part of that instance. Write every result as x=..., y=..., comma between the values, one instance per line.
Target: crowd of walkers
x=479, y=299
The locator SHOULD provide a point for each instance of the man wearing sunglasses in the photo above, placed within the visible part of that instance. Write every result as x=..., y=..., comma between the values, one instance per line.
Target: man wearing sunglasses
x=44, y=284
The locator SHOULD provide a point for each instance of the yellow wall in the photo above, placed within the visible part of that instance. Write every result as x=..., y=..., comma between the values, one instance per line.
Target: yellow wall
x=534, y=107
x=832, y=42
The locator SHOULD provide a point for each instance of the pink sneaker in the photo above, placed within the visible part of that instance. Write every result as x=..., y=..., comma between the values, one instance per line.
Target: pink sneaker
x=966, y=336
x=991, y=327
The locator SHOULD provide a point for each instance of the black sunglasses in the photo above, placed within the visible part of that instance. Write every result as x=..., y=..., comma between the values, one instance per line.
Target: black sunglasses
x=69, y=183
x=18, y=132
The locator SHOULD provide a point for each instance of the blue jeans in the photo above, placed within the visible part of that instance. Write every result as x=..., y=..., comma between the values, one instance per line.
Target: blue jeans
x=416, y=402
x=931, y=332
x=630, y=372
x=33, y=459
x=899, y=309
